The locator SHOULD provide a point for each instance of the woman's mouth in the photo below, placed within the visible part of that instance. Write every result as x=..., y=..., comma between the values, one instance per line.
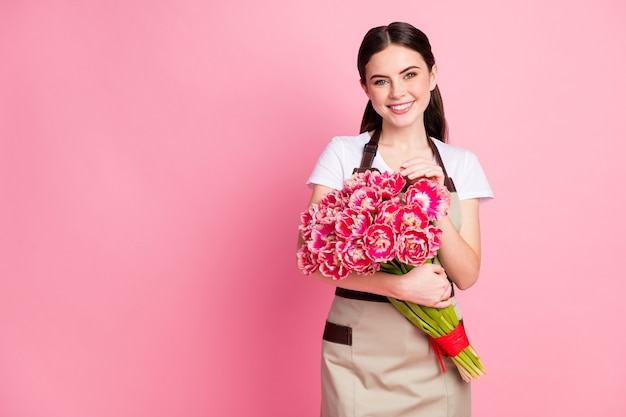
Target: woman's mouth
x=401, y=108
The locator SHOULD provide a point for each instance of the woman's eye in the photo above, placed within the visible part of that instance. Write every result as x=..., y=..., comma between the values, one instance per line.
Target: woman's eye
x=410, y=75
x=380, y=82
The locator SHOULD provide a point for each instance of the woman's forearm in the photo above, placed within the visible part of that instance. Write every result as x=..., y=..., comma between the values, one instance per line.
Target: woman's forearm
x=460, y=251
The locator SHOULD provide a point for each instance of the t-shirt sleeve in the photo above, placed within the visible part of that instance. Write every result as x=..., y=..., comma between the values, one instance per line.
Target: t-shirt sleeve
x=472, y=181
x=329, y=169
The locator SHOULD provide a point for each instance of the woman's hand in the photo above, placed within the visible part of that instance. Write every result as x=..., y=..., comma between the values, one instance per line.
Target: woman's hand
x=420, y=167
x=426, y=285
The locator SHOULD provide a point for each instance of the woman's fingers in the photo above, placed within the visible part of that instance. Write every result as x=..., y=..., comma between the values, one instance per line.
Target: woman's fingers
x=417, y=168
x=447, y=293
x=427, y=285
x=437, y=269
x=443, y=304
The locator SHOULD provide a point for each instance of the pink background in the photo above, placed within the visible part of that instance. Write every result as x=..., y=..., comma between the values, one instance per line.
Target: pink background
x=153, y=156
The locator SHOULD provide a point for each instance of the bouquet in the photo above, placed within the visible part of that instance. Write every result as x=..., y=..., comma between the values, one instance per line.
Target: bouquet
x=372, y=225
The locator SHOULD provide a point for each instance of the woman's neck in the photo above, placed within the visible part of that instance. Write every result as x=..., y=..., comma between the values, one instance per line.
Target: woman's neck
x=412, y=136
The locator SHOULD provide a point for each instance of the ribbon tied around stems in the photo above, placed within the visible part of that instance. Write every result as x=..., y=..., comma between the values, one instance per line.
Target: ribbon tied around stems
x=450, y=344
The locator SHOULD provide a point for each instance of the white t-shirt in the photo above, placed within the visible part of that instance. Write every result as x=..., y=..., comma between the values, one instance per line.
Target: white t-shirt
x=344, y=153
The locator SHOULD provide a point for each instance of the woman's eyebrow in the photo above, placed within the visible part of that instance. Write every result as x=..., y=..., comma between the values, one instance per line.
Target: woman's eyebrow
x=409, y=68
x=401, y=72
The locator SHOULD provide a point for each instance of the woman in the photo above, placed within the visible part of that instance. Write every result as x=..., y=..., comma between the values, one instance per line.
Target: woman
x=376, y=363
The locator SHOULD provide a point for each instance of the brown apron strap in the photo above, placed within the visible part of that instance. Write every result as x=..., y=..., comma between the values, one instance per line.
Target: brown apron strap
x=369, y=152
x=447, y=180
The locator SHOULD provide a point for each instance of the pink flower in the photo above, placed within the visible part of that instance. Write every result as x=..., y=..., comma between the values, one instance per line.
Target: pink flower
x=366, y=198
x=411, y=216
x=413, y=248
x=389, y=184
x=433, y=197
x=321, y=235
x=330, y=264
x=353, y=256
x=352, y=223
x=372, y=268
x=326, y=210
x=356, y=181
x=333, y=200
x=380, y=243
x=434, y=239
x=307, y=261
x=324, y=214
x=387, y=213
x=306, y=222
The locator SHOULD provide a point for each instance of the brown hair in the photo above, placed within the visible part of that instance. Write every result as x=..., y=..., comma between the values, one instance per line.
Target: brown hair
x=409, y=36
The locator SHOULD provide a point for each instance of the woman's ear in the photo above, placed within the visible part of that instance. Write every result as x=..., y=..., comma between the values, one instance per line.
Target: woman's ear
x=433, y=77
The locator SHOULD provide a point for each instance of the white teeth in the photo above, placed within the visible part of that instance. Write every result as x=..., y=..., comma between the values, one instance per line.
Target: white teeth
x=401, y=106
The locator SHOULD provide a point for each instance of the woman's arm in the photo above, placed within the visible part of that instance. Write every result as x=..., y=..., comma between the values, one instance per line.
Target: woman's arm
x=426, y=285
x=460, y=251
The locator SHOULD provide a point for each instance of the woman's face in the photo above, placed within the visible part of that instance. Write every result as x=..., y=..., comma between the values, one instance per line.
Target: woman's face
x=398, y=83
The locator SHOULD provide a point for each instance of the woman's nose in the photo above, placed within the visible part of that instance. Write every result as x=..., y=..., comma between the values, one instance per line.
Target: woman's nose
x=396, y=90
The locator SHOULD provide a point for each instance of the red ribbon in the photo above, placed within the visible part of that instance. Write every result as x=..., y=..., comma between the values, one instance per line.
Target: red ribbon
x=438, y=352
x=450, y=344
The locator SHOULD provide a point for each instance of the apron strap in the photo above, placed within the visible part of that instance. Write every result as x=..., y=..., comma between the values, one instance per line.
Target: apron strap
x=369, y=152
x=447, y=181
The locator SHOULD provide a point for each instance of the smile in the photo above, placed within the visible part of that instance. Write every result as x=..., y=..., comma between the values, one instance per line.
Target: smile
x=401, y=108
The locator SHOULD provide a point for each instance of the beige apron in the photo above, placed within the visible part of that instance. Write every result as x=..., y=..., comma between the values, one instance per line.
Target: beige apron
x=375, y=363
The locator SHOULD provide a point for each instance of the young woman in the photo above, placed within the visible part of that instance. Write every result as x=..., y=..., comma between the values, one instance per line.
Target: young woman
x=375, y=362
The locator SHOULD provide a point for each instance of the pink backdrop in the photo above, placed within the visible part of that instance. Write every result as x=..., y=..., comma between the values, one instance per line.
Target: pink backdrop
x=153, y=156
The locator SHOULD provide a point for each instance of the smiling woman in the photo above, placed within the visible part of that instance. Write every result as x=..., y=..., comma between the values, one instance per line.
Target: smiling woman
x=375, y=362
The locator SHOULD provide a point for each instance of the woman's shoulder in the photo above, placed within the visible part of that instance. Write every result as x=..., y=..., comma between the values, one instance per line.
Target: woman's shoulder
x=351, y=140
x=465, y=169
x=452, y=151
x=456, y=156
x=336, y=162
